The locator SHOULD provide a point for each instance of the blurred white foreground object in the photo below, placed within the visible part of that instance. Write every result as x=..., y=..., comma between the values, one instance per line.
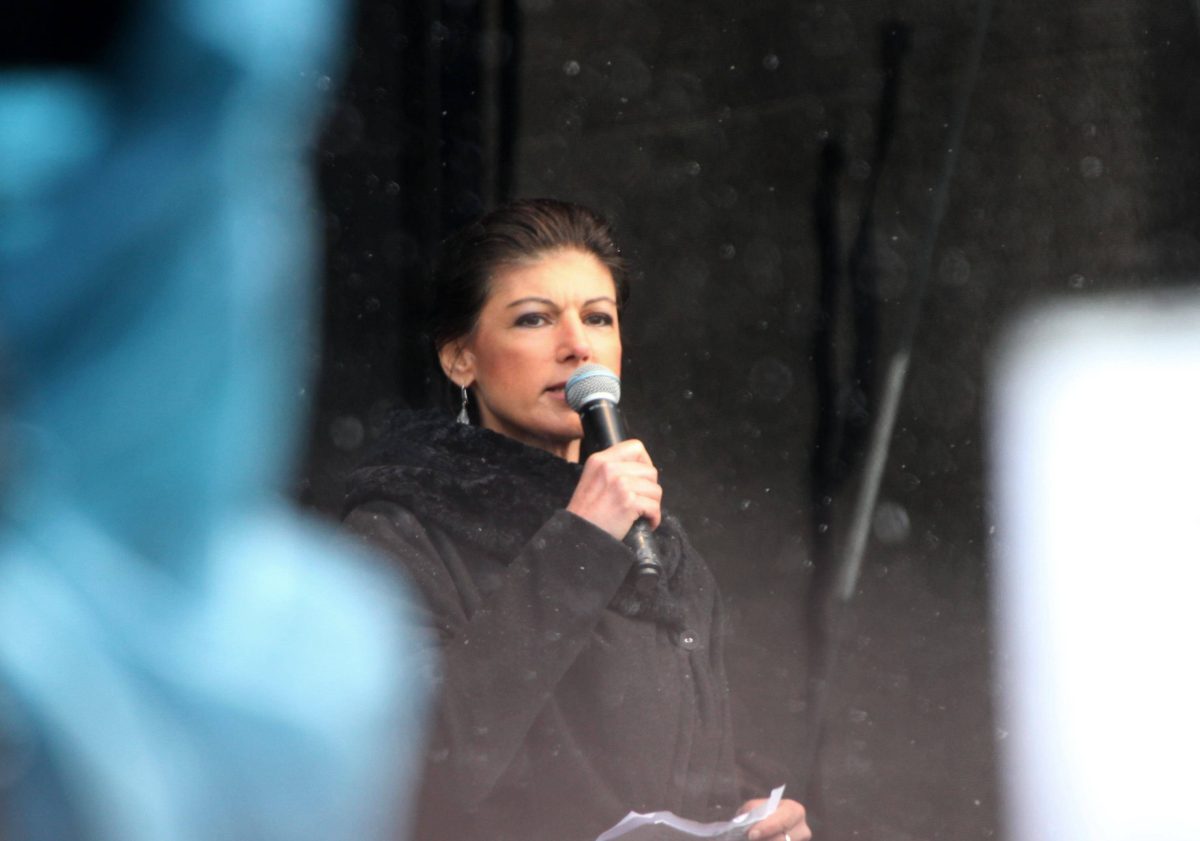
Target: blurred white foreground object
x=1096, y=469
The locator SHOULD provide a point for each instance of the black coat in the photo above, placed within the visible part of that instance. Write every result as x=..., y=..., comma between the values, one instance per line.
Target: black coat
x=566, y=699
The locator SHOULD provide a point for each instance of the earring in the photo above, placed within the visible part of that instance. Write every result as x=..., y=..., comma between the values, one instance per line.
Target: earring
x=463, y=417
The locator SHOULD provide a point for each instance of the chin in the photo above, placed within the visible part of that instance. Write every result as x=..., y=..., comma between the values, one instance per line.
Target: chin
x=561, y=435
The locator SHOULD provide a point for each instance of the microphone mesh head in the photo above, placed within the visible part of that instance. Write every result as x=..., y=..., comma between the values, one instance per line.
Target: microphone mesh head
x=592, y=382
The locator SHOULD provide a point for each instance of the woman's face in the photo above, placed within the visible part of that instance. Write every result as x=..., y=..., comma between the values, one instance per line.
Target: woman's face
x=539, y=323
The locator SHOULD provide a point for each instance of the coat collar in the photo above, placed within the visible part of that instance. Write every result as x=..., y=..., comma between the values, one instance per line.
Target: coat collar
x=492, y=493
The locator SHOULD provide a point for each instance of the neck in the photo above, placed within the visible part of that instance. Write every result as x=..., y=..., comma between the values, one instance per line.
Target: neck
x=567, y=450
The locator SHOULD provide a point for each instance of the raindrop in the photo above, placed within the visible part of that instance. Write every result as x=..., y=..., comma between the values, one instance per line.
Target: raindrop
x=1091, y=167
x=891, y=524
x=726, y=196
x=771, y=379
x=571, y=68
x=688, y=394
x=771, y=61
x=860, y=170
x=692, y=167
x=955, y=269
x=744, y=504
x=1077, y=281
x=858, y=716
x=727, y=251
x=347, y=432
x=324, y=83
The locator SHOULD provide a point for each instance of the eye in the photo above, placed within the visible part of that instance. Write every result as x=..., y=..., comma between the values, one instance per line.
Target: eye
x=531, y=319
x=600, y=319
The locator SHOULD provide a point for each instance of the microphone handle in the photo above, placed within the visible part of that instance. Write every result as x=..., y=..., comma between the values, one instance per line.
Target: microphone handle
x=602, y=424
x=647, y=567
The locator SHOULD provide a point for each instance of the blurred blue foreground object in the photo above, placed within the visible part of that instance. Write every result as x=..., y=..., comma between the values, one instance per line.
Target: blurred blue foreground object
x=181, y=656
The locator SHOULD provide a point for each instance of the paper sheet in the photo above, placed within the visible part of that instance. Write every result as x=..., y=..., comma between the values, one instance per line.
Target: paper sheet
x=667, y=826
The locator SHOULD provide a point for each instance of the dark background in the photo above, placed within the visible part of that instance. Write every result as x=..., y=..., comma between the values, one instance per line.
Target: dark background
x=774, y=169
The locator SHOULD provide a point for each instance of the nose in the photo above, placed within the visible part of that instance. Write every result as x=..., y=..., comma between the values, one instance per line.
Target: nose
x=573, y=340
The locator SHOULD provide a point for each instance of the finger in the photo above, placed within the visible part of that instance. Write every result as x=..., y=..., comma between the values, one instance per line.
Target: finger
x=639, y=484
x=610, y=469
x=630, y=450
x=788, y=819
x=651, y=512
x=648, y=505
x=767, y=829
x=619, y=471
x=645, y=498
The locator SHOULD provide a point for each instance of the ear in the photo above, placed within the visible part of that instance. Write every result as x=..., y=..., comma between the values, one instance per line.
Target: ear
x=458, y=363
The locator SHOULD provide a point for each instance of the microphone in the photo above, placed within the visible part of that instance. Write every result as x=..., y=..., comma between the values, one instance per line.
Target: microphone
x=594, y=392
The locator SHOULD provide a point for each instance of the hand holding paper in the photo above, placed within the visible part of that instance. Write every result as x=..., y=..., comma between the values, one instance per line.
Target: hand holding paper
x=667, y=826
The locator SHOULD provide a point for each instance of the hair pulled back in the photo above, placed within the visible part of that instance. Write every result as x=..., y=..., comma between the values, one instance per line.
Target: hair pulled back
x=518, y=233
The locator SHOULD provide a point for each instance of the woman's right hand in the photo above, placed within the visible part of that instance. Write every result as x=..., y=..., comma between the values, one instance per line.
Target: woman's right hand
x=618, y=486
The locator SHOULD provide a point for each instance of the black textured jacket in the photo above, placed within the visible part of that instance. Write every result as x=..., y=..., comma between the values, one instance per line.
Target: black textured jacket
x=566, y=699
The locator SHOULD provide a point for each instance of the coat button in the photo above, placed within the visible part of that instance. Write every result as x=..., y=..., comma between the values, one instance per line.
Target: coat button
x=688, y=639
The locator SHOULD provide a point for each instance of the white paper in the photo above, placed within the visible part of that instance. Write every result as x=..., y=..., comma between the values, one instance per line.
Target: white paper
x=667, y=826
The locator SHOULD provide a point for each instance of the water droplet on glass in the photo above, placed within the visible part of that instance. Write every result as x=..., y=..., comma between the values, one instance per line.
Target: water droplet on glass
x=1091, y=167
x=771, y=61
x=324, y=83
x=891, y=524
x=727, y=251
x=1077, y=281
x=571, y=68
x=347, y=432
x=744, y=504
x=771, y=379
x=955, y=269
x=692, y=167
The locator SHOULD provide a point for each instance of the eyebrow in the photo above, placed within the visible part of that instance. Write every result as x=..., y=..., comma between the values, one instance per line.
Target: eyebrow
x=535, y=300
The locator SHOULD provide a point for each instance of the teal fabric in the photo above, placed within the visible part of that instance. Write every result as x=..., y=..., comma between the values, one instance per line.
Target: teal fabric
x=181, y=655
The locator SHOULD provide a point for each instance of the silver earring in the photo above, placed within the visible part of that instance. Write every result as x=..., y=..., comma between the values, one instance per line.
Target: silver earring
x=463, y=417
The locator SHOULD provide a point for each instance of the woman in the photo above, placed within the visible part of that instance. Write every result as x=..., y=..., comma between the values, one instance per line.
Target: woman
x=567, y=697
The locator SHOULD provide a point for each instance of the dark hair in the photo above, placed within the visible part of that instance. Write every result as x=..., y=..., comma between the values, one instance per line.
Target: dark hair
x=513, y=234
